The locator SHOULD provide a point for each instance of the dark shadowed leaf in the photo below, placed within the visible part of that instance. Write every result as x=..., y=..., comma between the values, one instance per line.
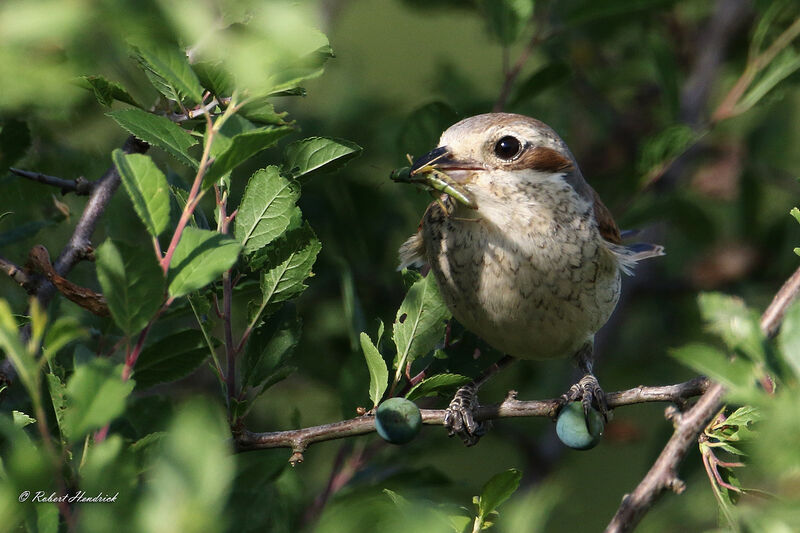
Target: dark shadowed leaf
x=507, y=19
x=242, y=147
x=171, y=358
x=497, y=490
x=270, y=347
x=437, y=384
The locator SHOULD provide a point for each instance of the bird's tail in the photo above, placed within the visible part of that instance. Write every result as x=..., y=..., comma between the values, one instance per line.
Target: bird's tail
x=630, y=254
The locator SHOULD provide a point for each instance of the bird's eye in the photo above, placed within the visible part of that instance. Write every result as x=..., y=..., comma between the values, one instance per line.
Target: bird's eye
x=508, y=148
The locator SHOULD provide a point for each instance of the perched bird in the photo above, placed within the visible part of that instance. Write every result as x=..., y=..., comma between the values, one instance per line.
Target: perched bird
x=525, y=254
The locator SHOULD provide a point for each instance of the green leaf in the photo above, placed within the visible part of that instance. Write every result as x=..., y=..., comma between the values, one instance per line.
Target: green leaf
x=789, y=338
x=169, y=71
x=269, y=348
x=171, y=358
x=15, y=139
x=734, y=373
x=132, y=283
x=58, y=396
x=261, y=111
x=214, y=77
x=267, y=205
x=286, y=265
x=795, y=213
x=497, y=490
x=242, y=147
x=190, y=478
x=61, y=332
x=507, y=18
x=665, y=146
x=200, y=257
x=420, y=322
x=24, y=362
x=106, y=91
x=96, y=395
x=158, y=131
x=551, y=75
x=437, y=384
x=378, y=373
x=21, y=419
x=147, y=188
x=420, y=132
x=308, y=155
x=780, y=68
x=729, y=317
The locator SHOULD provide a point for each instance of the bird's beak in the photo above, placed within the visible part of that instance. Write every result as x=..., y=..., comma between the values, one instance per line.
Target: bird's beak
x=441, y=159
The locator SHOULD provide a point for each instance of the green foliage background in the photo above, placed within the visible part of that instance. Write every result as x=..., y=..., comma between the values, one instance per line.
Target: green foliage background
x=613, y=78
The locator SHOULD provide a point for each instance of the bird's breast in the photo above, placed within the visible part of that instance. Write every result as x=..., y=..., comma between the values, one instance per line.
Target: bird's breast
x=527, y=271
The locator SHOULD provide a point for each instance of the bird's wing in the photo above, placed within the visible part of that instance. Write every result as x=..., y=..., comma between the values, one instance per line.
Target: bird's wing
x=605, y=222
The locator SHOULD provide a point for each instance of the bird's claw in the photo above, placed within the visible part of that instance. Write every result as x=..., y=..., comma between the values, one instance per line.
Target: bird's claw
x=588, y=391
x=459, y=418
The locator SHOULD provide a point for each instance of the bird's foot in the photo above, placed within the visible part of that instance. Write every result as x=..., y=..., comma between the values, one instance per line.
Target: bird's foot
x=588, y=391
x=460, y=416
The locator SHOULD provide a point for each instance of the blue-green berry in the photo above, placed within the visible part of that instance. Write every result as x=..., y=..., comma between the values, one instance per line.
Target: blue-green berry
x=571, y=427
x=398, y=420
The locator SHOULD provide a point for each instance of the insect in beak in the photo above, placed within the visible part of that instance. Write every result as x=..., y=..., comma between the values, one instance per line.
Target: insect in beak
x=424, y=171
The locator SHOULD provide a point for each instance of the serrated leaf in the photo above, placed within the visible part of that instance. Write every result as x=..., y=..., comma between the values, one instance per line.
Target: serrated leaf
x=214, y=77
x=734, y=373
x=267, y=205
x=169, y=71
x=789, y=338
x=242, y=147
x=132, y=283
x=20, y=419
x=200, y=257
x=378, y=373
x=420, y=321
x=437, y=384
x=729, y=317
x=106, y=91
x=96, y=395
x=58, y=397
x=262, y=112
x=308, y=155
x=158, y=131
x=269, y=348
x=286, y=265
x=497, y=490
x=147, y=187
x=170, y=359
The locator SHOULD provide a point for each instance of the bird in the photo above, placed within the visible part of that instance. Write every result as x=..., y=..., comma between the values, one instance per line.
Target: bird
x=524, y=252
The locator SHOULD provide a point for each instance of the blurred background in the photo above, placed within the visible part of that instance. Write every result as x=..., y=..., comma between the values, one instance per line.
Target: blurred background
x=630, y=86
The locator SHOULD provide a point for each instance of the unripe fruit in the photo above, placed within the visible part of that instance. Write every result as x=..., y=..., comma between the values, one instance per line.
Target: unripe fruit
x=571, y=427
x=398, y=420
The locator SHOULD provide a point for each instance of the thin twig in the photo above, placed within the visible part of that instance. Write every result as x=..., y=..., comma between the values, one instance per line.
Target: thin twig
x=688, y=426
x=298, y=440
x=80, y=186
x=19, y=275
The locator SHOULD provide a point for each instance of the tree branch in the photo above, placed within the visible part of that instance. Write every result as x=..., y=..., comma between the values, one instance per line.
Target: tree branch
x=19, y=275
x=688, y=426
x=80, y=186
x=298, y=440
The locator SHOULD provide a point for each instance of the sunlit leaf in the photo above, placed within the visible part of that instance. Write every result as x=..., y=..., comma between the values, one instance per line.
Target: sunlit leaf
x=96, y=396
x=308, y=155
x=200, y=257
x=169, y=72
x=267, y=205
x=106, y=91
x=243, y=147
x=378, y=373
x=158, y=131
